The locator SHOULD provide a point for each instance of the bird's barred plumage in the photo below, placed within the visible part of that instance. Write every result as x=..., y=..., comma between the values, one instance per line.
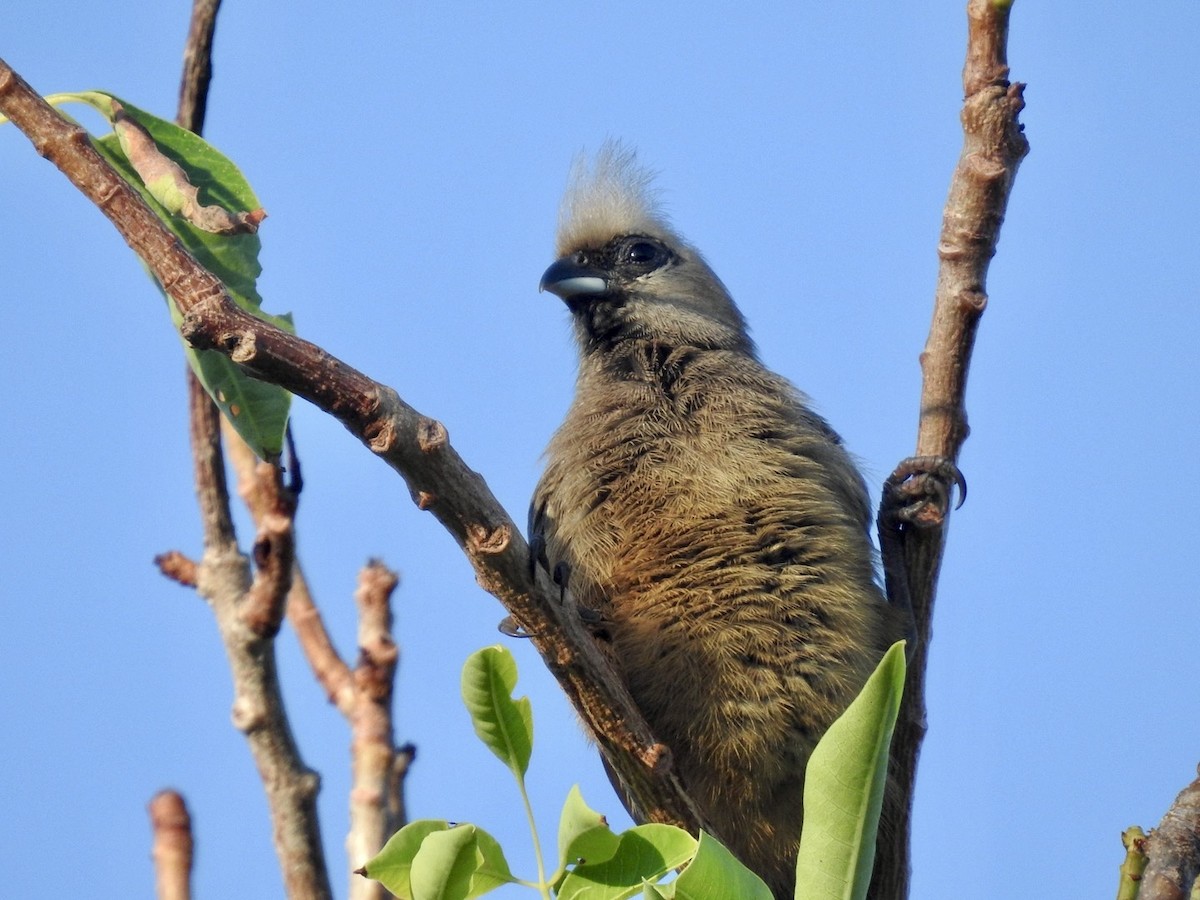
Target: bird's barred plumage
x=708, y=520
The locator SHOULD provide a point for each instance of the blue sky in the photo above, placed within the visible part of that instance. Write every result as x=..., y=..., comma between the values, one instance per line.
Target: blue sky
x=411, y=158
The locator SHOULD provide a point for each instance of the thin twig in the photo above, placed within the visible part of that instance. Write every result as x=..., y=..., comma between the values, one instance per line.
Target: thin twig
x=248, y=621
x=417, y=447
x=374, y=793
x=993, y=147
x=1173, y=849
x=1134, y=865
x=302, y=613
x=249, y=612
x=179, y=568
x=197, y=65
x=330, y=669
x=208, y=467
x=363, y=695
x=173, y=846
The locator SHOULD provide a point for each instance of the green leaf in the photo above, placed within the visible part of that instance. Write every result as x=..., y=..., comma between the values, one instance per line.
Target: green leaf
x=458, y=864
x=716, y=874
x=644, y=853
x=443, y=865
x=843, y=790
x=257, y=410
x=491, y=868
x=583, y=834
x=392, y=866
x=504, y=724
x=432, y=860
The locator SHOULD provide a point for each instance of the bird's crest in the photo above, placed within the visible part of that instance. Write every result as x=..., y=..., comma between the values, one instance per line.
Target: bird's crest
x=609, y=195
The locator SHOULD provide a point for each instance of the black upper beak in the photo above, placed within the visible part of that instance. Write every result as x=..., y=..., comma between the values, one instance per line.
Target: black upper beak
x=567, y=278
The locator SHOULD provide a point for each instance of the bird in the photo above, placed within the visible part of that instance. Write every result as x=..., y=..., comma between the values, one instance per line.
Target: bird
x=712, y=527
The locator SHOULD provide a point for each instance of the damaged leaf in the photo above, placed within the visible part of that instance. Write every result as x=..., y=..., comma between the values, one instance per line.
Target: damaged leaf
x=172, y=169
x=168, y=183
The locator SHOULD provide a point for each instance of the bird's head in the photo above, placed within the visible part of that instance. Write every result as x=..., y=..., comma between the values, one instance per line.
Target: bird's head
x=625, y=273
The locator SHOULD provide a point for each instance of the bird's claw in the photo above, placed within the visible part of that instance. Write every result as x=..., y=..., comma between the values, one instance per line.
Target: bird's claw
x=510, y=627
x=920, y=489
x=560, y=576
x=592, y=618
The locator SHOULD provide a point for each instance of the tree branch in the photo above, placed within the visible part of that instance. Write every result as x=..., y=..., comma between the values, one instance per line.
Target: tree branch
x=363, y=695
x=249, y=613
x=1173, y=849
x=993, y=147
x=376, y=796
x=414, y=445
x=253, y=484
x=913, y=545
x=1134, y=864
x=197, y=65
x=173, y=846
x=248, y=617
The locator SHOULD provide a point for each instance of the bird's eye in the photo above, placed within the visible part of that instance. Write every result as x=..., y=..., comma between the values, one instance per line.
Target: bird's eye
x=641, y=252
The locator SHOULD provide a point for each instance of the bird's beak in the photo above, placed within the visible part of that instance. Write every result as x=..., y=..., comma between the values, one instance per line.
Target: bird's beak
x=567, y=279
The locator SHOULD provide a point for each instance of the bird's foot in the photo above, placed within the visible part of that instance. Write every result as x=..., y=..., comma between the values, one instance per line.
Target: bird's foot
x=593, y=619
x=919, y=491
x=510, y=627
x=560, y=575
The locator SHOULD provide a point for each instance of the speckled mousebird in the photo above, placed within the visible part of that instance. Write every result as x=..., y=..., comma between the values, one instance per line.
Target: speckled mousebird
x=706, y=519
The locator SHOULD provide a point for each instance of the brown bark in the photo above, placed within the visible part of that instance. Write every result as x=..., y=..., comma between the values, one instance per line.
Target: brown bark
x=1173, y=850
x=993, y=147
x=173, y=846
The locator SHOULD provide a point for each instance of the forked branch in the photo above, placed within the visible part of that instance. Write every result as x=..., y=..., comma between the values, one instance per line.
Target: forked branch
x=416, y=446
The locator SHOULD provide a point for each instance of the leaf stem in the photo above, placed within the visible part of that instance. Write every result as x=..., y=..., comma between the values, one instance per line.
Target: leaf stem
x=542, y=884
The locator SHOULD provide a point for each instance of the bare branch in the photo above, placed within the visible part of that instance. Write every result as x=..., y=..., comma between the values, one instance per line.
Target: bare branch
x=248, y=616
x=208, y=467
x=197, y=65
x=258, y=712
x=417, y=447
x=375, y=793
x=173, y=846
x=302, y=613
x=248, y=613
x=993, y=147
x=274, y=553
x=363, y=695
x=177, y=567
x=329, y=668
x=1173, y=849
